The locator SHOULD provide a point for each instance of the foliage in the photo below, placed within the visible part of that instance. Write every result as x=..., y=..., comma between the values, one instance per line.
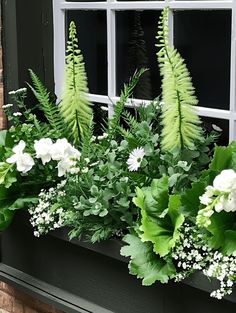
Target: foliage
x=148, y=178
x=146, y=264
x=179, y=118
x=74, y=106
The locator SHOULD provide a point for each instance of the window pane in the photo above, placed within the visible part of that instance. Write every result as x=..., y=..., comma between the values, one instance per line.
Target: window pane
x=85, y=0
x=204, y=38
x=100, y=117
x=91, y=26
x=210, y=123
x=135, y=45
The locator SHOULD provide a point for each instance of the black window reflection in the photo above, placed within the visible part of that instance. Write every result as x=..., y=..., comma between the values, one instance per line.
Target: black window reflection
x=92, y=34
x=204, y=38
x=135, y=42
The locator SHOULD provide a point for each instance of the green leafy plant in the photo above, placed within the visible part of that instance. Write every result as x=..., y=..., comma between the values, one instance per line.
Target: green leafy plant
x=74, y=106
x=179, y=118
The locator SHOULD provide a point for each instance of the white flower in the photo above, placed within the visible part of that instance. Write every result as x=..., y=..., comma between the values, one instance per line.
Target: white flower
x=135, y=159
x=43, y=149
x=206, y=197
x=64, y=166
x=6, y=106
x=59, y=148
x=24, y=161
x=104, y=108
x=216, y=128
x=225, y=181
x=62, y=149
x=17, y=114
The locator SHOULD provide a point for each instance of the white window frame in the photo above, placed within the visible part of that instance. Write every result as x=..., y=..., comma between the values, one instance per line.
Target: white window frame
x=111, y=6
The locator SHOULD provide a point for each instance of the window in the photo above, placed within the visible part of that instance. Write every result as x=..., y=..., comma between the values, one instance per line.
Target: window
x=204, y=32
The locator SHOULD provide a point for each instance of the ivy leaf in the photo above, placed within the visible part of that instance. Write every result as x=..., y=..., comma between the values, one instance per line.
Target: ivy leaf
x=145, y=263
x=7, y=174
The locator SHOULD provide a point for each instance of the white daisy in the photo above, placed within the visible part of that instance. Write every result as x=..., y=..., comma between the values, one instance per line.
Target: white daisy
x=135, y=159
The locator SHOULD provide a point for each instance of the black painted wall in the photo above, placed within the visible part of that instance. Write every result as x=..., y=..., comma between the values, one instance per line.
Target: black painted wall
x=27, y=42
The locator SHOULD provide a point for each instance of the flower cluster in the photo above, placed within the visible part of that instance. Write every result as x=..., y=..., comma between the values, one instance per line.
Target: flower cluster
x=61, y=151
x=47, y=215
x=24, y=162
x=222, y=268
x=190, y=252
x=219, y=197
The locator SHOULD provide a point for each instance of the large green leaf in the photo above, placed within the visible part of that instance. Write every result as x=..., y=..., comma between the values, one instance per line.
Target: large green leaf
x=190, y=199
x=154, y=199
x=145, y=263
x=221, y=159
x=229, y=242
x=222, y=228
x=7, y=174
x=5, y=218
x=160, y=219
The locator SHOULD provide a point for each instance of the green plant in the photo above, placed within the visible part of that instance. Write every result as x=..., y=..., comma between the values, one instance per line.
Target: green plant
x=179, y=118
x=74, y=106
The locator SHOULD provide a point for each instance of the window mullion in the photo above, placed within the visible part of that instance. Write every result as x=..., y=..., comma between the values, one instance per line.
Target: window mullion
x=59, y=45
x=232, y=125
x=111, y=56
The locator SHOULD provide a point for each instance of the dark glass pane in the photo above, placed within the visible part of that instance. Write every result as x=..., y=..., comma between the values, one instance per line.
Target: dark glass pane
x=85, y=0
x=203, y=39
x=100, y=117
x=135, y=42
x=92, y=35
x=210, y=123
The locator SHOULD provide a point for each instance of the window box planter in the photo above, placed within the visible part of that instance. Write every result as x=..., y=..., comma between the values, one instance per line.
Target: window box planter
x=79, y=277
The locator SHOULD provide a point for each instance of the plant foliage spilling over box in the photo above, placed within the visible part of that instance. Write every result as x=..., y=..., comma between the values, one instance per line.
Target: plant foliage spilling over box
x=155, y=178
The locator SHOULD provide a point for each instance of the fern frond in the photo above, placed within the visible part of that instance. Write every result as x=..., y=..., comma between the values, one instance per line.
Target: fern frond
x=131, y=121
x=75, y=107
x=179, y=117
x=49, y=109
x=114, y=122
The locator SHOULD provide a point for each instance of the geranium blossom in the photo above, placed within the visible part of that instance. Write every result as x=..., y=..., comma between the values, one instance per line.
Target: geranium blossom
x=43, y=149
x=135, y=159
x=219, y=197
x=225, y=181
x=24, y=161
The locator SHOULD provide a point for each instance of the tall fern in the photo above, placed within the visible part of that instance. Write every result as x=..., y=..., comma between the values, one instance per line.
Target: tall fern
x=114, y=122
x=75, y=107
x=179, y=118
x=49, y=109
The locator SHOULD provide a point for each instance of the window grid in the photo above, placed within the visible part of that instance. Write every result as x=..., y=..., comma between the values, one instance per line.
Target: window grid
x=111, y=6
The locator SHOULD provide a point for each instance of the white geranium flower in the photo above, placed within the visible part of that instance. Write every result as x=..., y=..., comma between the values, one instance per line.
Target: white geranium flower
x=24, y=161
x=206, y=198
x=58, y=149
x=64, y=166
x=62, y=149
x=43, y=149
x=225, y=181
x=135, y=159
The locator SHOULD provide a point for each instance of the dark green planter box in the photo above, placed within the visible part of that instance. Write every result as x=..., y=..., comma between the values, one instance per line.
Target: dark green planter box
x=79, y=277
